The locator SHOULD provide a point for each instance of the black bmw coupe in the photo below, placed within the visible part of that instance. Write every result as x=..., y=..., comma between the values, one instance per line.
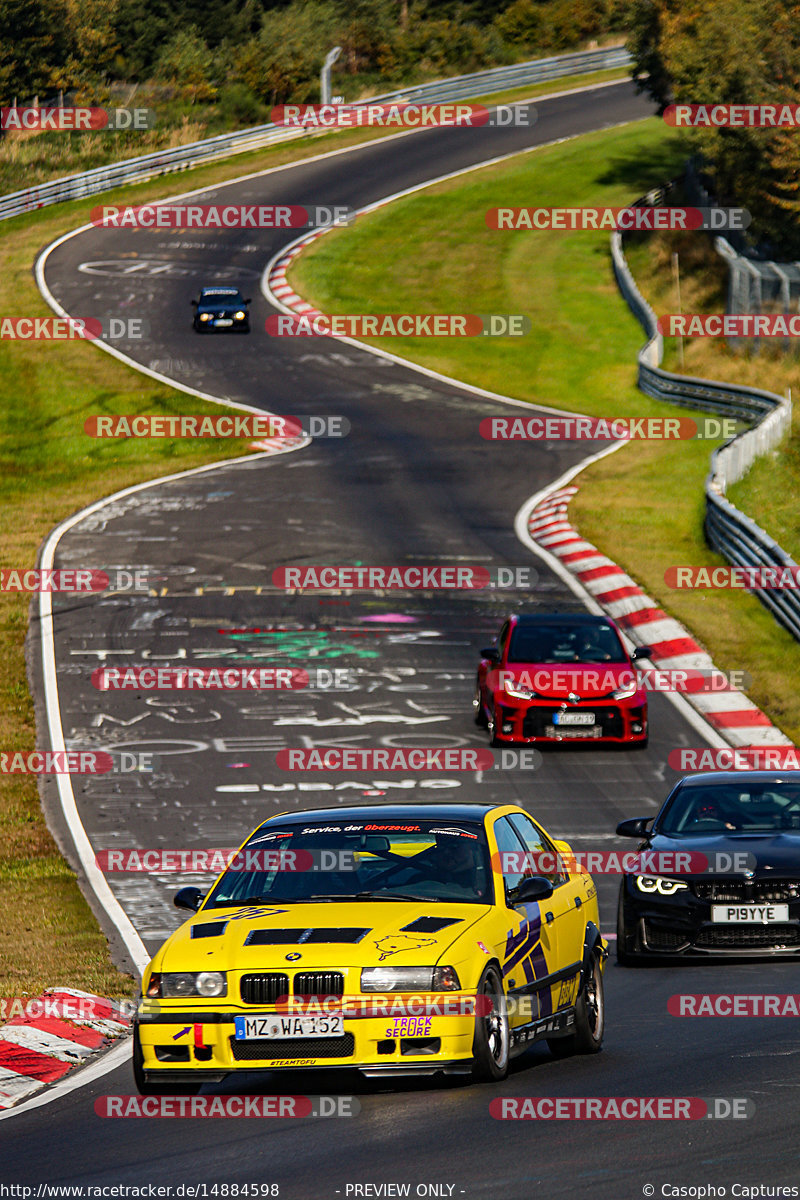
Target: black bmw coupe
x=740, y=894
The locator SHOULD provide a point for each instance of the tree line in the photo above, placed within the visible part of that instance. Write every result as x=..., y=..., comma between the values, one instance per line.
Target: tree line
x=271, y=51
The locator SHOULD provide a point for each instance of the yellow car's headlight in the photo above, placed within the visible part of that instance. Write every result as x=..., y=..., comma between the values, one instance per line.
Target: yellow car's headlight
x=657, y=883
x=174, y=984
x=409, y=979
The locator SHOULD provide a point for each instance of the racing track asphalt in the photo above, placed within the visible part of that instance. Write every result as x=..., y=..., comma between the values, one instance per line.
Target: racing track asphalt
x=413, y=481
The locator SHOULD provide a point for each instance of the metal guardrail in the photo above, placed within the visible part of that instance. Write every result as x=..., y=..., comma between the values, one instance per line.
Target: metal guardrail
x=731, y=532
x=161, y=162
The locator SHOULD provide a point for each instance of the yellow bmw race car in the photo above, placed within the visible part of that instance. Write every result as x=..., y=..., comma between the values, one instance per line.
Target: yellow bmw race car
x=395, y=939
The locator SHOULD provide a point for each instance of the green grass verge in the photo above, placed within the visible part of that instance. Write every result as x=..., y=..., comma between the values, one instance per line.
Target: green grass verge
x=580, y=356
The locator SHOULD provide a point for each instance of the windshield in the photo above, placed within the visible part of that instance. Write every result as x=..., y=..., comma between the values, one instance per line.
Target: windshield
x=563, y=642
x=221, y=296
x=732, y=808
x=359, y=860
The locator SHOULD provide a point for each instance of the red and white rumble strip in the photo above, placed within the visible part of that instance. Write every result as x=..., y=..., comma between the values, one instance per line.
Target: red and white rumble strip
x=729, y=712
x=46, y=1036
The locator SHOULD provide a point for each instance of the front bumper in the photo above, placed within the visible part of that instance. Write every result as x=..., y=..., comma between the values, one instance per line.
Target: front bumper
x=201, y=1045
x=537, y=722
x=682, y=925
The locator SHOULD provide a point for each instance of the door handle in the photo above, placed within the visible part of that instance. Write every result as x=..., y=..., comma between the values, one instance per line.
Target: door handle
x=578, y=902
x=549, y=917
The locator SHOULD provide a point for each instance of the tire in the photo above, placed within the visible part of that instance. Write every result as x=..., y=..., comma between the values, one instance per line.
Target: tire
x=494, y=740
x=492, y=1040
x=642, y=745
x=166, y=1088
x=589, y=1019
x=480, y=712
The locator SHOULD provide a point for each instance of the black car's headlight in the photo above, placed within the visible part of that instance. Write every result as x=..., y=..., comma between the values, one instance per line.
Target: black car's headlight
x=409, y=979
x=205, y=316
x=174, y=984
x=240, y=316
x=658, y=883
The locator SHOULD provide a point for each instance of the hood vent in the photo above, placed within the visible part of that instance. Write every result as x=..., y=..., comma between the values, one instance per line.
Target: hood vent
x=430, y=924
x=298, y=937
x=209, y=929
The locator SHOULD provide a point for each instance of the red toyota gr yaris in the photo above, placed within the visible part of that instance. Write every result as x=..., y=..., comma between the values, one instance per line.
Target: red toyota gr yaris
x=561, y=677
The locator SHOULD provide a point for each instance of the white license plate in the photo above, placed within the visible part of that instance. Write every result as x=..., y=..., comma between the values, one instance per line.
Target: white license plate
x=573, y=718
x=280, y=1026
x=223, y=321
x=749, y=914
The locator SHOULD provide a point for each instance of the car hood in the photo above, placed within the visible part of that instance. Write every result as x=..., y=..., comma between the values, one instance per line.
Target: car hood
x=769, y=853
x=322, y=936
x=556, y=681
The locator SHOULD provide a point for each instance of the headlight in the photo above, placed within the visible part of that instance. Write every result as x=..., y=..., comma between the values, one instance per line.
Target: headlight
x=409, y=979
x=519, y=690
x=205, y=316
x=173, y=984
x=657, y=883
x=626, y=691
x=240, y=316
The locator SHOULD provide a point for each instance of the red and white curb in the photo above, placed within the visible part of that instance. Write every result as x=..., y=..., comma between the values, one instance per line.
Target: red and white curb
x=729, y=713
x=282, y=290
x=53, y=1034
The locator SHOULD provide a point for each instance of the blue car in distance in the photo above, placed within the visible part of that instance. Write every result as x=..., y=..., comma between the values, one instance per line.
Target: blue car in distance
x=221, y=308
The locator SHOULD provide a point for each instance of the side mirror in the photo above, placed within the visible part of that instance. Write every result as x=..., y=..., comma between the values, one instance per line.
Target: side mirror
x=641, y=652
x=529, y=890
x=194, y=303
x=492, y=653
x=249, y=300
x=634, y=827
x=188, y=897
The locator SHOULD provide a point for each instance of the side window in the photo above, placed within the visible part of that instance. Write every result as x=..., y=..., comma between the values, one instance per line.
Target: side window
x=538, y=844
x=512, y=857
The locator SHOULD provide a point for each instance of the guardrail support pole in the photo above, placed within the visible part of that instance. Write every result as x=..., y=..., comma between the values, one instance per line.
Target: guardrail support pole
x=325, y=75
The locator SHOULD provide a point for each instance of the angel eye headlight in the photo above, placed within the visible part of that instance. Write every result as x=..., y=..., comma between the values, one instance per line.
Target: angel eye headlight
x=626, y=691
x=658, y=883
x=240, y=316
